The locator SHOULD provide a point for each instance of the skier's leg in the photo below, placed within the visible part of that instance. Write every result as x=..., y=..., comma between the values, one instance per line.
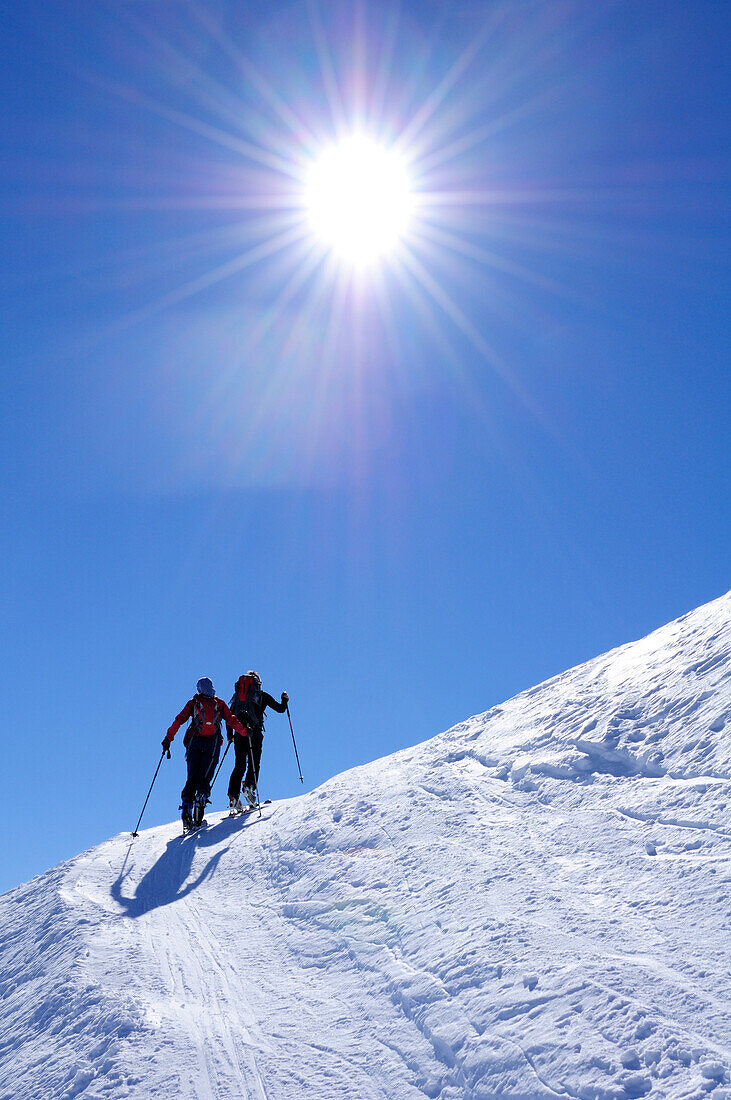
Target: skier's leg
x=192, y=759
x=253, y=749
x=251, y=784
x=208, y=766
x=242, y=755
x=258, y=746
x=202, y=755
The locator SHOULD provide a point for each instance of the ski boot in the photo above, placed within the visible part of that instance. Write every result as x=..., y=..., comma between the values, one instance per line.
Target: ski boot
x=250, y=796
x=187, y=816
x=199, y=808
x=234, y=807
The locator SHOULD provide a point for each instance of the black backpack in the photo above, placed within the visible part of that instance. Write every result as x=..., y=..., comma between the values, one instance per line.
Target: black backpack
x=247, y=702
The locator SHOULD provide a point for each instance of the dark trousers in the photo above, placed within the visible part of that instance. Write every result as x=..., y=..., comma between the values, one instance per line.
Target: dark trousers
x=201, y=757
x=243, y=761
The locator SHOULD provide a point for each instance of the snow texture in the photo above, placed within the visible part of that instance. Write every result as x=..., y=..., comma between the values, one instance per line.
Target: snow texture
x=532, y=904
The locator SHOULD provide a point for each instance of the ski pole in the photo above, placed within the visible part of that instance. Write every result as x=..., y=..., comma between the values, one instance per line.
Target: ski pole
x=220, y=765
x=299, y=766
x=157, y=769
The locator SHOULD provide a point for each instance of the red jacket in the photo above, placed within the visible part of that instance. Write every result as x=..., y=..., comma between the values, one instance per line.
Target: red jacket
x=207, y=713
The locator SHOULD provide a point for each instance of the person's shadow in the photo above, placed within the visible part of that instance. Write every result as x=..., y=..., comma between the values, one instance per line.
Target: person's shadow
x=166, y=881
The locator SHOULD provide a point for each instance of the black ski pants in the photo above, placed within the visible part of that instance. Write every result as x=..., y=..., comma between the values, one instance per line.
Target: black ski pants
x=201, y=757
x=243, y=761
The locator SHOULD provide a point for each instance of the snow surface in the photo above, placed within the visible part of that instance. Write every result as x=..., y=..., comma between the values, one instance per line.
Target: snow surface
x=532, y=904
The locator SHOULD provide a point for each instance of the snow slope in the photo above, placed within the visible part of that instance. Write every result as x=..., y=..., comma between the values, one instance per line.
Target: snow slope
x=533, y=904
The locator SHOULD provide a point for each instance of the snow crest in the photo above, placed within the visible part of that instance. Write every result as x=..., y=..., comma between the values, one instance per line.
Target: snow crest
x=532, y=904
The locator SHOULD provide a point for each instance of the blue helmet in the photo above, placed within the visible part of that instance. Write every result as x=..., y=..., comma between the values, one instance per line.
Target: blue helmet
x=205, y=686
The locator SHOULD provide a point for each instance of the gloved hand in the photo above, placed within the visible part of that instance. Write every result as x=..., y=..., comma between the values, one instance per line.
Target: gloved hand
x=285, y=697
x=166, y=746
x=230, y=735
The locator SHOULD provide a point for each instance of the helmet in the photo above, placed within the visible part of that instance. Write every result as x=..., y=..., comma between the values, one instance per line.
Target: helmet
x=254, y=676
x=205, y=686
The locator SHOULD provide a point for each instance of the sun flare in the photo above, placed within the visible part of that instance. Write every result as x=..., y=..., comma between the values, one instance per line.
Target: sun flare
x=359, y=199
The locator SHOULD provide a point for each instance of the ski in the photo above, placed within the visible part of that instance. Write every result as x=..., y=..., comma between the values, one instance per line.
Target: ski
x=247, y=809
x=256, y=806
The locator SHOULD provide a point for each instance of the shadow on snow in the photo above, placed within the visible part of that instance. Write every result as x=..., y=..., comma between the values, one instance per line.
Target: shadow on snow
x=166, y=881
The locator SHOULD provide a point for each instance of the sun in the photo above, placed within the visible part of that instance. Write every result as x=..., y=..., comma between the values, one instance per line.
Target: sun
x=359, y=199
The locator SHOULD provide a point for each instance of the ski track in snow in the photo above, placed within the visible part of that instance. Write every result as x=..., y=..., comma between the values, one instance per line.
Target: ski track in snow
x=533, y=904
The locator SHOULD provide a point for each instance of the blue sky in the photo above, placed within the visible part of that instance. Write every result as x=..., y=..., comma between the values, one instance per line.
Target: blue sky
x=402, y=494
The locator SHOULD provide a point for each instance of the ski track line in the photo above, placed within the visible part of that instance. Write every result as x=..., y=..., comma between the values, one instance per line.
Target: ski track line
x=173, y=981
x=236, y=1023
x=232, y=998
x=182, y=949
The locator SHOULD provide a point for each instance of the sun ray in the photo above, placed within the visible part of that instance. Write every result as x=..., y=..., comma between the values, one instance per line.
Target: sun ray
x=189, y=289
x=451, y=242
x=465, y=326
x=198, y=126
x=327, y=70
x=451, y=309
x=209, y=91
x=438, y=156
x=437, y=333
x=436, y=98
x=383, y=73
x=284, y=111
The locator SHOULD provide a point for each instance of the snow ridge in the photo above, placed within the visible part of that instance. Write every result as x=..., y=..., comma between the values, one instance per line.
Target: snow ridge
x=532, y=904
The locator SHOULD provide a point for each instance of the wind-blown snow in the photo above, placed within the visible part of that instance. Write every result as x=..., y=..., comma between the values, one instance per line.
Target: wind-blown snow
x=533, y=904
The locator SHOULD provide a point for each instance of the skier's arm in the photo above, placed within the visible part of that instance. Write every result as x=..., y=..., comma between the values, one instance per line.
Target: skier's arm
x=267, y=701
x=232, y=721
x=229, y=729
x=182, y=717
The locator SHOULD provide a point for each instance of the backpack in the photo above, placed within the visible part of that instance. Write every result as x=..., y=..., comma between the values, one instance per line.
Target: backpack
x=247, y=702
x=206, y=718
